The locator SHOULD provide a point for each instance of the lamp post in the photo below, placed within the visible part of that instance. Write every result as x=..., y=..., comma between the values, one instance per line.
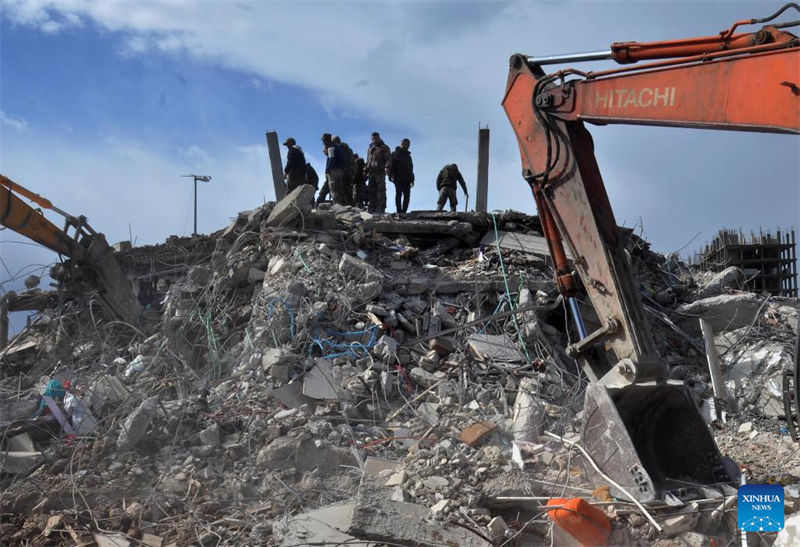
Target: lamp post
x=202, y=178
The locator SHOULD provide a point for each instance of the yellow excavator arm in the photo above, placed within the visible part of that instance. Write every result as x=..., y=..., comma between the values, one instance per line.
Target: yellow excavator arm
x=86, y=247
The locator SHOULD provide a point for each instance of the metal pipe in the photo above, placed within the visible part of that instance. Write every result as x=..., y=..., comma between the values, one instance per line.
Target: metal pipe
x=570, y=58
x=576, y=315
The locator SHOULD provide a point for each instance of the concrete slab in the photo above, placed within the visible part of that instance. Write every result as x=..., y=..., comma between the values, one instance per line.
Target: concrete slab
x=373, y=466
x=292, y=206
x=21, y=443
x=291, y=395
x=319, y=383
x=514, y=241
x=325, y=526
x=495, y=347
x=376, y=517
x=19, y=462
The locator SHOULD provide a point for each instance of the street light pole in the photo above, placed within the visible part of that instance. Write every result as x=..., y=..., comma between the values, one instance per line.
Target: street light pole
x=202, y=178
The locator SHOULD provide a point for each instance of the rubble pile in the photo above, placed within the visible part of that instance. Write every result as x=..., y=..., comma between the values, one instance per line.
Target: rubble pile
x=325, y=376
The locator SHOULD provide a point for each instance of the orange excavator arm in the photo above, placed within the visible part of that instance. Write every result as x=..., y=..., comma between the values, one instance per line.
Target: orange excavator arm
x=27, y=221
x=86, y=247
x=642, y=430
x=741, y=84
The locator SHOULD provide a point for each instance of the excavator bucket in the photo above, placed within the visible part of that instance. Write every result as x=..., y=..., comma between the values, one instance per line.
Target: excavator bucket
x=651, y=440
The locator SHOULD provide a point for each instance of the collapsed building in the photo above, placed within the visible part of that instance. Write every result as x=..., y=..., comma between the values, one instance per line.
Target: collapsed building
x=326, y=376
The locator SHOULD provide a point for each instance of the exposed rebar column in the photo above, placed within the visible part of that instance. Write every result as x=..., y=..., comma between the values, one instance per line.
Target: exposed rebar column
x=274, y=149
x=482, y=193
x=714, y=368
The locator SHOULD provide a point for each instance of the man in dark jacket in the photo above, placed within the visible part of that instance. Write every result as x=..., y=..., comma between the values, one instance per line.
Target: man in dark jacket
x=348, y=169
x=446, y=184
x=402, y=175
x=359, y=182
x=295, y=171
x=379, y=163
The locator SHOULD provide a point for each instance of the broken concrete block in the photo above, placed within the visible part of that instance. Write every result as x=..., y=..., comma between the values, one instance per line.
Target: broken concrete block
x=524, y=454
x=731, y=277
x=135, y=425
x=444, y=316
x=358, y=269
x=475, y=432
x=325, y=526
x=291, y=395
x=497, y=529
x=374, y=466
x=397, y=479
x=255, y=276
x=746, y=427
x=319, y=382
x=21, y=443
x=398, y=494
x=292, y=206
x=677, y=524
x=386, y=348
x=210, y=436
x=790, y=535
x=429, y=412
x=443, y=345
x=111, y=540
x=377, y=517
x=430, y=361
x=19, y=462
x=423, y=377
x=495, y=347
x=440, y=506
x=529, y=414
x=725, y=312
x=435, y=483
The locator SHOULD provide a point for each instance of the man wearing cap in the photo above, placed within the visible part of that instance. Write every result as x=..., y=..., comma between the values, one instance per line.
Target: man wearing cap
x=295, y=171
x=379, y=162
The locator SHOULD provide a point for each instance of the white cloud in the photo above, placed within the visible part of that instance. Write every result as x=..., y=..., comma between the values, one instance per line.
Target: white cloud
x=17, y=123
x=435, y=70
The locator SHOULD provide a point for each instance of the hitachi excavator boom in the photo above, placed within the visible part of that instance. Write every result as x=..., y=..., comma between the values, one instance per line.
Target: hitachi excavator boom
x=87, y=247
x=642, y=430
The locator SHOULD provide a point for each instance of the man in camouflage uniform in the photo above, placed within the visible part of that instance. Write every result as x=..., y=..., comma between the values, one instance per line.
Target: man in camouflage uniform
x=446, y=184
x=379, y=162
x=402, y=175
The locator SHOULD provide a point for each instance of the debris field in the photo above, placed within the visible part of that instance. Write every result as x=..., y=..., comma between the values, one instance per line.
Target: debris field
x=331, y=377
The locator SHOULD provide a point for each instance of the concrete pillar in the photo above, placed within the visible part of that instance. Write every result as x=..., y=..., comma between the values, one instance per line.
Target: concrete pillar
x=482, y=193
x=274, y=149
x=3, y=323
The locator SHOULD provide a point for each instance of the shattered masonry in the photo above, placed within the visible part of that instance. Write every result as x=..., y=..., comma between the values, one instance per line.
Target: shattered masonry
x=312, y=376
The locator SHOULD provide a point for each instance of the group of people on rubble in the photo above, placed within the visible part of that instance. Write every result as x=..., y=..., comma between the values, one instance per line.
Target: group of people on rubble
x=352, y=180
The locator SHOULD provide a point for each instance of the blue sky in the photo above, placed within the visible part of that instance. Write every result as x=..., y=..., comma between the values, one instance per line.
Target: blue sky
x=103, y=105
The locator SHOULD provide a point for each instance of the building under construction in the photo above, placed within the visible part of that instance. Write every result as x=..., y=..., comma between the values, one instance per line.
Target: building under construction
x=769, y=261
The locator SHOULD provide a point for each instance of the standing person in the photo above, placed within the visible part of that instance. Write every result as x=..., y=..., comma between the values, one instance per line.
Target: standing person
x=295, y=171
x=402, y=175
x=333, y=171
x=446, y=184
x=325, y=190
x=359, y=182
x=348, y=169
x=379, y=162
